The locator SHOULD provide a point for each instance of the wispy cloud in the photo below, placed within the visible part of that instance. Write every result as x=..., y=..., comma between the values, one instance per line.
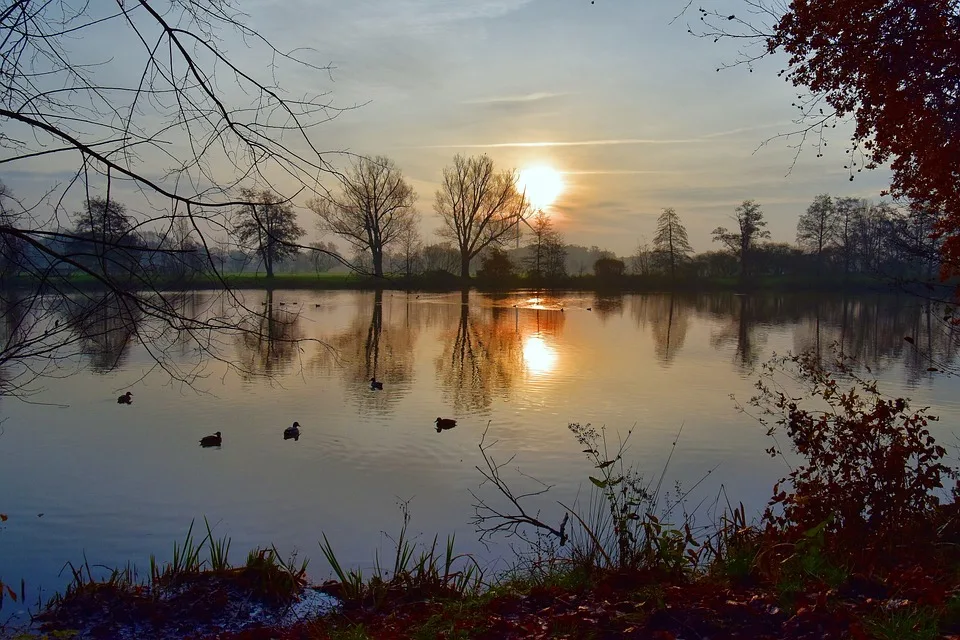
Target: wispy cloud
x=602, y=142
x=530, y=97
x=432, y=14
x=564, y=143
x=620, y=172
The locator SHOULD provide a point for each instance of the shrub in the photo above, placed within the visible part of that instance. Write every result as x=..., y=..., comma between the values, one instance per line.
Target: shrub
x=871, y=469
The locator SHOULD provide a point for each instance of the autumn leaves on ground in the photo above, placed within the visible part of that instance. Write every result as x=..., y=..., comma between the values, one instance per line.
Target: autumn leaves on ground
x=859, y=540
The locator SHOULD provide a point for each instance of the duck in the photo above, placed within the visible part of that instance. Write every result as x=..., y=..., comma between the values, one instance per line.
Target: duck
x=211, y=441
x=292, y=431
x=375, y=386
x=445, y=423
x=126, y=398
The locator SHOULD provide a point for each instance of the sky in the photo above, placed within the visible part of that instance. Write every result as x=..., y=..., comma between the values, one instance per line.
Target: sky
x=615, y=95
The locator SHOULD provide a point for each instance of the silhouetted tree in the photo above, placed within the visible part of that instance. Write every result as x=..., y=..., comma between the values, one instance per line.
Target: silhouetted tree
x=106, y=237
x=12, y=248
x=641, y=262
x=409, y=253
x=670, y=241
x=440, y=257
x=817, y=228
x=495, y=266
x=268, y=226
x=545, y=254
x=478, y=206
x=374, y=208
x=609, y=269
x=324, y=256
x=742, y=240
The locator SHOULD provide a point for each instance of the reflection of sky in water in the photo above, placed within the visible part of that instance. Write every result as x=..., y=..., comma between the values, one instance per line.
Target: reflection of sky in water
x=120, y=483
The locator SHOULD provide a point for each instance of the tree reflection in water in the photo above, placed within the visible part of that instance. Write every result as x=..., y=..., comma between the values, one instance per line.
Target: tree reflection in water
x=270, y=339
x=489, y=350
x=379, y=343
x=104, y=325
x=669, y=318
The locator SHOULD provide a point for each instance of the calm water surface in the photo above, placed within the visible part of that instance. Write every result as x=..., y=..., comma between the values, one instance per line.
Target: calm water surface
x=117, y=483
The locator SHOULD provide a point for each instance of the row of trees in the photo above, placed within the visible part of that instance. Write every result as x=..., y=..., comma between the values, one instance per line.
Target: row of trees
x=841, y=235
x=373, y=210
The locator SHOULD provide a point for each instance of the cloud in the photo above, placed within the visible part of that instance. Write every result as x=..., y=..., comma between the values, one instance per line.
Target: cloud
x=430, y=15
x=530, y=97
x=621, y=172
x=563, y=143
x=604, y=142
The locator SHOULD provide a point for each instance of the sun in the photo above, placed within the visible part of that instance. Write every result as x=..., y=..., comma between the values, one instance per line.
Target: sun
x=542, y=185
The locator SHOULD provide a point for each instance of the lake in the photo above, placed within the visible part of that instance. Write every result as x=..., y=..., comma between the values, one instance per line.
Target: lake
x=85, y=477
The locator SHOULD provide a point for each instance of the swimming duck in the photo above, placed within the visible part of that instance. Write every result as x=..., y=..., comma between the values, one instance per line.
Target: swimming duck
x=292, y=432
x=445, y=423
x=375, y=386
x=211, y=441
x=126, y=398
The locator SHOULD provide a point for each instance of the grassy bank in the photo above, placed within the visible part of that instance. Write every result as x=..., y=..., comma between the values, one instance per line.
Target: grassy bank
x=861, y=539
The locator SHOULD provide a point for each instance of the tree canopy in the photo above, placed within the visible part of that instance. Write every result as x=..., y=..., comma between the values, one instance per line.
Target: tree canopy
x=373, y=210
x=479, y=206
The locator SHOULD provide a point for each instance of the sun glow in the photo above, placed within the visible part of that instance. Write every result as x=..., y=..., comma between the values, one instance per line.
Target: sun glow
x=539, y=357
x=542, y=185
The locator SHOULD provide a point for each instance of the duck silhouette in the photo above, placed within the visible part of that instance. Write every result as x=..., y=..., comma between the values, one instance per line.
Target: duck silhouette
x=292, y=431
x=126, y=398
x=375, y=386
x=211, y=441
x=445, y=423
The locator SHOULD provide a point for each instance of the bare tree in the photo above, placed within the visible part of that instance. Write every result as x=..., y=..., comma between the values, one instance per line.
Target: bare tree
x=440, y=257
x=324, y=256
x=268, y=226
x=410, y=248
x=641, y=262
x=542, y=258
x=817, y=227
x=671, y=240
x=374, y=208
x=478, y=205
x=156, y=128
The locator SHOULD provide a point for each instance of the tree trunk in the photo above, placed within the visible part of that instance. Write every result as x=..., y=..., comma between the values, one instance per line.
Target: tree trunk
x=465, y=267
x=268, y=263
x=378, y=263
